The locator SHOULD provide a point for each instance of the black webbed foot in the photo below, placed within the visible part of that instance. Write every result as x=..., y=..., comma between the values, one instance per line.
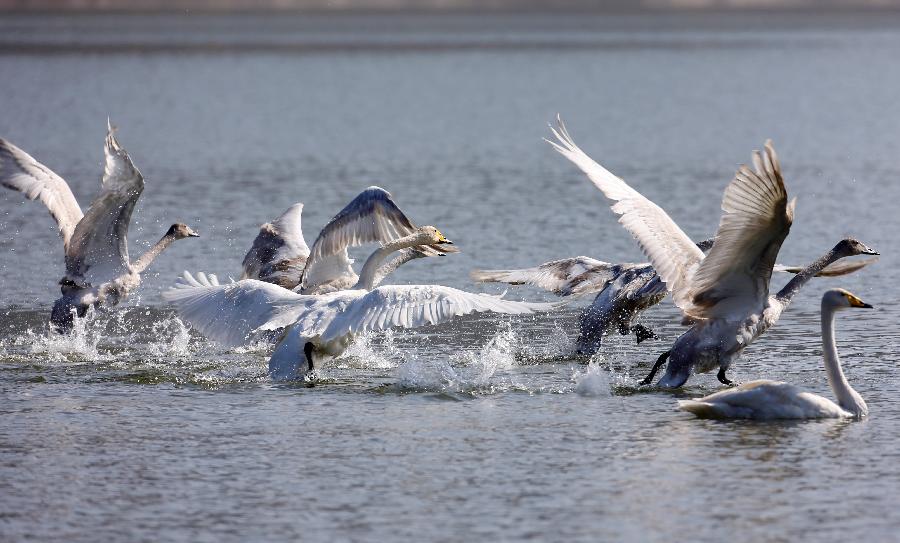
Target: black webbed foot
x=642, y=333
x=723, y=379
x=659, y=362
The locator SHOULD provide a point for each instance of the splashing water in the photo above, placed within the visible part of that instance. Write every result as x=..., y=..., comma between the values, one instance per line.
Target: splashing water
x=78, y=345
x=469, y=372
x=172, y=338
x=592, y=381
x=371, y=350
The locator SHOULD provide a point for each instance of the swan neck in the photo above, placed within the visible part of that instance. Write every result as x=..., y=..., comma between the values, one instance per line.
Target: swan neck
x=147, y=258
x=847, y=398
x=369, y=276
x=786, y=294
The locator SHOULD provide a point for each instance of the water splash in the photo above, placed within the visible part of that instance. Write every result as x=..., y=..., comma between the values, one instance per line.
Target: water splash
x=371, y=350
x=593, y=381
x=170, y=337
x=481, y=371
x=78, y=345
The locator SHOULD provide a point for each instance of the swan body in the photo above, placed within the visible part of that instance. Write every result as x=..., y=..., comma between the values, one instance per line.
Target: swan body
x=320, y=326
x=765, y=399
x=723, y=295
x=98, y=269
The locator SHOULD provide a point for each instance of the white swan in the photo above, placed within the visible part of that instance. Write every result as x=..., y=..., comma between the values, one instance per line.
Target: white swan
x=321, y=326
x=279, y=252
x=765, y=399
x=725, y=294
x=98, y=270
x=623, y=291
x=371, y=217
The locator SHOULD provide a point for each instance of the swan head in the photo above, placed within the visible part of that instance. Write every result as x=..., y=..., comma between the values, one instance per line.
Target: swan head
x=838, y=298
x=429, y=235
x=853, y=247
x=181, y=231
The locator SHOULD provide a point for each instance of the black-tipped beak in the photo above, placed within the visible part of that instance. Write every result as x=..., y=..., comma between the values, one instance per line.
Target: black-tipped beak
x=873, y=252
x=446, y=241
x=193, y=235
x=866, y=306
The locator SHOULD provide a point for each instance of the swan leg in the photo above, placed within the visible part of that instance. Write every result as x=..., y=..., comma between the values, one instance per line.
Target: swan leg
x=308, y=351
x=642, y=333
x=659, y=362
x=723, y=379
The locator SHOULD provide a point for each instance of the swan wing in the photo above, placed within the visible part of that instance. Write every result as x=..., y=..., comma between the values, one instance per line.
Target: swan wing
x=835, y=269
x=411, y=306
x=566, y=277
x=369, y=218
x=98, y=250
x=19, y=171
x=672, y=253
x=229, y=313
x=279, y=252
x=734, y=276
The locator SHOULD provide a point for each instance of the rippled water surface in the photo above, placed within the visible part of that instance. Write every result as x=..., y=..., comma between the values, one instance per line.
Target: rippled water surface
x=138, y=429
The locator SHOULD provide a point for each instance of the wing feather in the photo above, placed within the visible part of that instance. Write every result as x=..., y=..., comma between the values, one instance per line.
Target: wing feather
x=369, y=218
x=279, y=252
x=757, y=217
x=19, y=171
x=672, y=253
x=575, y=276
x=98, y=249
x=411, y=306
x=228, y=314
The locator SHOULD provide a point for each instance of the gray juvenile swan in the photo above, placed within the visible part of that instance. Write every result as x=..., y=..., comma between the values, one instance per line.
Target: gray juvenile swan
x=765, y=399
x=98, y=270
x=724, y=295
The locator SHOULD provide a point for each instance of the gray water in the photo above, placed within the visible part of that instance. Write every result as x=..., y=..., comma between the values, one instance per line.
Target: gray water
x=138, y=429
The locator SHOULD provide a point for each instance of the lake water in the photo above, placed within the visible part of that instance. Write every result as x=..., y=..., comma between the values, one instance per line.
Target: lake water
x=137, y=429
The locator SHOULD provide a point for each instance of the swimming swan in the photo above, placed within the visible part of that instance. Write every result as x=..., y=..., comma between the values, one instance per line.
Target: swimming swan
x=321, y=326
x=623, y=291
x=724, y=294
x=765, y=399
x=98, y=270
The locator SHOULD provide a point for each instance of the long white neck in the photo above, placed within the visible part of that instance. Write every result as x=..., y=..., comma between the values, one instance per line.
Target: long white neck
x=786, y=294
x=147, y=258
x=369, y=274
x=847, y=398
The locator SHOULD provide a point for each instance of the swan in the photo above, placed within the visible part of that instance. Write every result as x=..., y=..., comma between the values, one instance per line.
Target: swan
x=98, y=270
x=279, y=252
x=623, y=290
x=320, y=326
x=723, y=295
x=765, y=399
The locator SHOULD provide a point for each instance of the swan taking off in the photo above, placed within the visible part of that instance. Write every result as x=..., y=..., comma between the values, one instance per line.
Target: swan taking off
x=766, y=399
x=321, y=326
x=98, y=270
x=725, y=293
x=623, y=291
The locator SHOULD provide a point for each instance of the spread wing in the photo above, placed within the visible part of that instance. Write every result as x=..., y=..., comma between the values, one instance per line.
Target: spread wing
x=279, y=252
x=756, y=218
x=835, y=269
x=229, y=313
x=371, y=217
x=98, y=250
x=19, y=171
x=672, y=253
x=566, y=277
x=411, y=306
